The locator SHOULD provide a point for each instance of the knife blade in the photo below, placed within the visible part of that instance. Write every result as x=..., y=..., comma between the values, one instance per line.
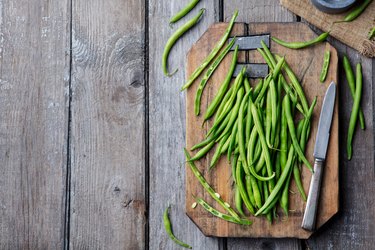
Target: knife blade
x=320, y=152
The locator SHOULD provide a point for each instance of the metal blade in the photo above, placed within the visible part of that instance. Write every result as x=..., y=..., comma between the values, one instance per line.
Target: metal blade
x=325, y=120
x=253, y=70
x=250, y=42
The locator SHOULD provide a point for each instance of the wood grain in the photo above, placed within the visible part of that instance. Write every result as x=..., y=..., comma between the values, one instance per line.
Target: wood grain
x=167, y=125
x=34, y=75
x=353, y=34
x=307, y=66
x=107, y=127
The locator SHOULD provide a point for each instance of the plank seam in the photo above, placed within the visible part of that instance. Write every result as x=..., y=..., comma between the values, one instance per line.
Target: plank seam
x=146, y=131
x=68, y=163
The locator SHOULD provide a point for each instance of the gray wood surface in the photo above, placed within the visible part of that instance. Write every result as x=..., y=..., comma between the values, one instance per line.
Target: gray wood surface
x=167, y=126
x=91, y=145
x=34, y=75
x=107, y=144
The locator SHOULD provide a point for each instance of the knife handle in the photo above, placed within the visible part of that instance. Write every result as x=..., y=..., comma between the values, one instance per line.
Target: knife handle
x=309, y=217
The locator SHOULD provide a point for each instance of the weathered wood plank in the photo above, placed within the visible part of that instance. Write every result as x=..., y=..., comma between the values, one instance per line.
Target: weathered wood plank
x=34, y=62
x=353, y=227
x=260, y=11
x=107, y=130
x=167, y=125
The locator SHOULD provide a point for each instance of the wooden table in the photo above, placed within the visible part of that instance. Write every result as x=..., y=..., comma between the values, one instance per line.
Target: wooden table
x=92, y=132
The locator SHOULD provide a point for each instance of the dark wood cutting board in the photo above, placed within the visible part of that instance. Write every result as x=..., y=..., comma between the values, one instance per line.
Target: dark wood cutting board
x=307, y=64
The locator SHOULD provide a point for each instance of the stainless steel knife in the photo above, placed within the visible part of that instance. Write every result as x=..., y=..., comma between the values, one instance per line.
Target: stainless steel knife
x=320, y=151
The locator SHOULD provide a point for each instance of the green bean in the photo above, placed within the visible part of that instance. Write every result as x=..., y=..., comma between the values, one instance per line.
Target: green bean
x=184, y=11
x=247, y=84
x=300, y=45
x=168, y=229
x=225, y=217
x=292, y=133
x=263, y=90
x=217, y=154
x=266, y=195
x=251, y=145
x=203, y=143
x=172, y=40
x=273, y=95
x=241, y=187
x=279, y=183
x=201, y=153
x=277, y=68
x=207, y=186
x=371, y=33
x=283, y=139
x=262, y=138
x=268, y=117
x=208, y=74
x=256, y=192
x=226, y=144
x=258, y=88
x=219, y=126
x=233, y=140
x=355, y=110
x=284, y=200
x=250, y=190
x=306, y=126
x=268, y=57
x=297, y=179
x=296, y=84
x=212, y=54
x=233, y=163
x=357, y=11
x=351, y=82
x=249, y=120
x=323, y=73
x=238, y=202
x=277, y=165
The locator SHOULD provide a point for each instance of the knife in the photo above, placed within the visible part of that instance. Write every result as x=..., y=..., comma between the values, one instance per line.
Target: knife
x=320, y=151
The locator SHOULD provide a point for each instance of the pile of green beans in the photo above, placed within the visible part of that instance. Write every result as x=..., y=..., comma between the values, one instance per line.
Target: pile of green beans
x=256, y=128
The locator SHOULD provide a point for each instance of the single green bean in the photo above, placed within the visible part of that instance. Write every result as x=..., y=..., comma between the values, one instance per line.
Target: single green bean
x=208, y=74
x=250, y=190
x=217, y=154
x=203, y=143
x=357, y=11
x=207, y=186
x=297, y=179
x=233, y=163
x=300, y=45
x=168, y=229
x=292, y=133
x=355, y=110
x=184, y=11
x=247, y=84
x=212, y=54
x=175, y=36
x=225, y=217
x=238, y=202
x=201, y=153
x=324, y=72
x=351, y=82
x=256, y=192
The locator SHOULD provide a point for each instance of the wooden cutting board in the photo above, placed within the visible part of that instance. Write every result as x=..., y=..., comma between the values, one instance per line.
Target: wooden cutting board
x=306, y=63
x=353, y=34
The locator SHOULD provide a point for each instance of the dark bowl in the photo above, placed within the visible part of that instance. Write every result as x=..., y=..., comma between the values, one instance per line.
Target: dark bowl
x=333, y=6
